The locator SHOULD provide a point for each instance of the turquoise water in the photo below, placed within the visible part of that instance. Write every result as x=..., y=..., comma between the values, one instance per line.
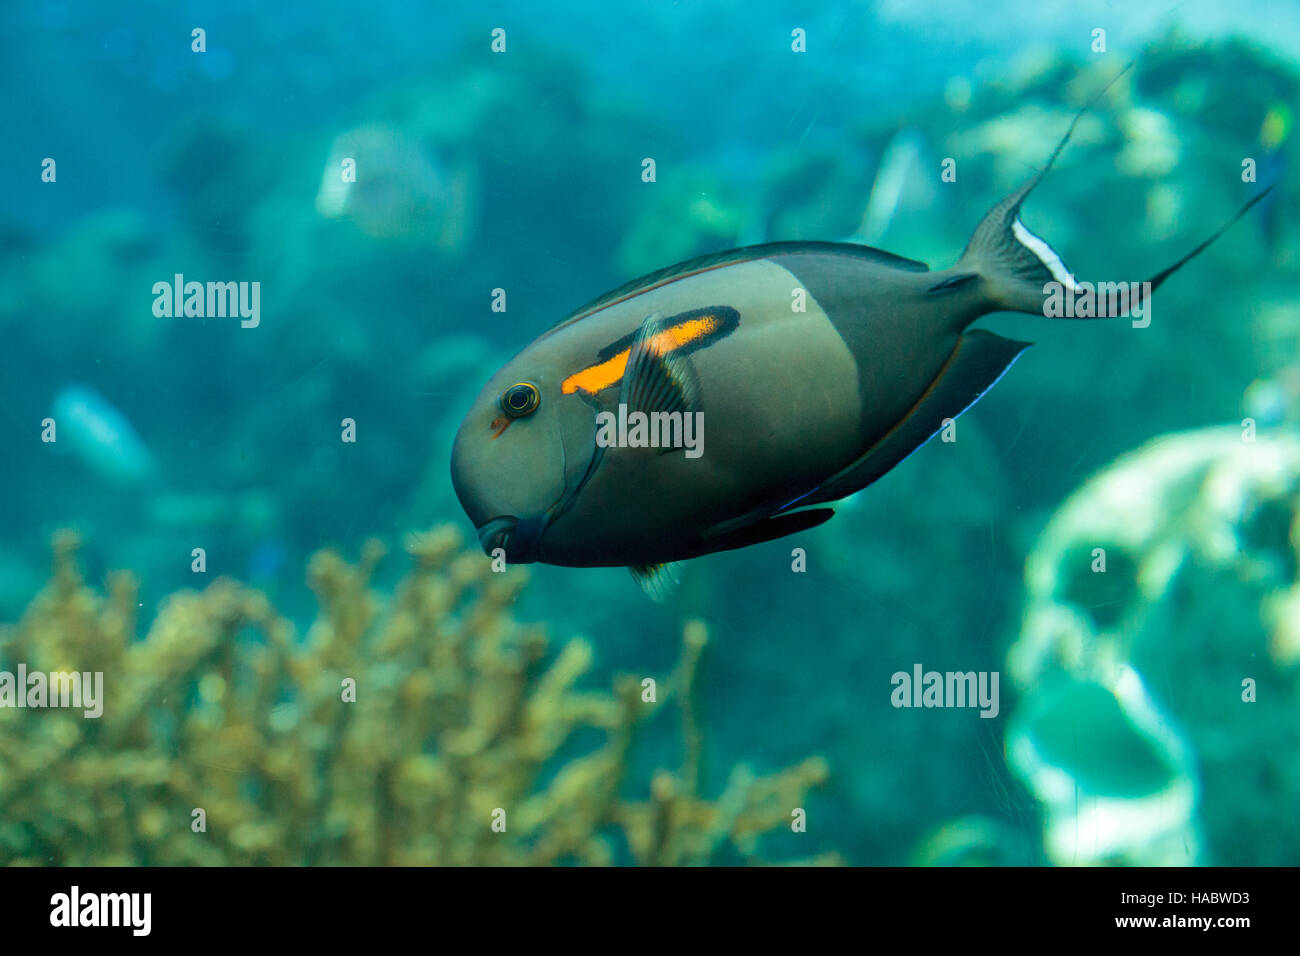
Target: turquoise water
x=522, y=169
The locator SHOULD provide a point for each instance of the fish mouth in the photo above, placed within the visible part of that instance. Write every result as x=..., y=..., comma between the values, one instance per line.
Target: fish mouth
x=520, y=539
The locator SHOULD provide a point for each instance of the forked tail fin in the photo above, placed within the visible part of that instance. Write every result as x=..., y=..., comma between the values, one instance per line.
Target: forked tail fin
x=1015, y=265
x=1156, y=280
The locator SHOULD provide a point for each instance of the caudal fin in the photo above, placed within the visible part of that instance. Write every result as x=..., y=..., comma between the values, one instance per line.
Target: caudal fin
x=1156, y=280
x=1014, y=263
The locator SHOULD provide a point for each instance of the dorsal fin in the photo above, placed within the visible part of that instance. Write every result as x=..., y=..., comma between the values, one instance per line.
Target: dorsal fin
x=716, y=260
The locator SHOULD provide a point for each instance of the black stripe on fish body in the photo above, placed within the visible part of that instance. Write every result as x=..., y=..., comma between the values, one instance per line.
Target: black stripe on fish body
x=898, y=333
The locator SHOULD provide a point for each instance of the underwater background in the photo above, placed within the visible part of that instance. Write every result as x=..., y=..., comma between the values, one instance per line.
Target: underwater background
x=1115, y=531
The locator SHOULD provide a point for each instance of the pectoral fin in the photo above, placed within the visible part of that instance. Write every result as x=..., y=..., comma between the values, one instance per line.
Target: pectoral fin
x=658, y=581
x=658, y=378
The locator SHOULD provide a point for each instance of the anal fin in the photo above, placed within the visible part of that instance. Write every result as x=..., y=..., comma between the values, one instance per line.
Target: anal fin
x=769, y=529
x=976, y=364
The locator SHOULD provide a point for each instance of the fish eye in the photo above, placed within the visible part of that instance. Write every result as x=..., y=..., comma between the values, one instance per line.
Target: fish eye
x=520, y=400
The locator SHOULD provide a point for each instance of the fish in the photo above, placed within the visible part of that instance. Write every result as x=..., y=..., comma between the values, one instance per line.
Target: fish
x=100, y=436
x=391, y=185
x=802, y=407
x=902, y=156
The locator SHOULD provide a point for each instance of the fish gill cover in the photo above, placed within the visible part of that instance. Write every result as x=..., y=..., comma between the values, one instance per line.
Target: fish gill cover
x=256, y=268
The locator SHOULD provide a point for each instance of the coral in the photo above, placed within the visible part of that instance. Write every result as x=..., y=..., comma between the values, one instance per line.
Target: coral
x=460, y=719
x=1157, y=661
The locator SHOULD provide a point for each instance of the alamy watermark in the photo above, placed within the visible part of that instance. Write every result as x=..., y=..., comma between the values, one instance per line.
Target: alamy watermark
x=132, y=911
x=651, y=430
x=84, y=690
x=211, y=300
x=1101, y=300
x=922, y=688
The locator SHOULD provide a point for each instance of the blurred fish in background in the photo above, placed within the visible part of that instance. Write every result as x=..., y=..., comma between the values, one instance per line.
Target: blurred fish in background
x=100, y=437
x=390, y=185
x=902, y=186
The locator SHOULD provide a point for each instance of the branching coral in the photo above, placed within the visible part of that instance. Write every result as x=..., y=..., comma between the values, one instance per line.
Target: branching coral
x=428, y=728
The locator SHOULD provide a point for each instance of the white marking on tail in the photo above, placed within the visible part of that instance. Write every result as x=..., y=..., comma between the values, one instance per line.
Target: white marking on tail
x=1045, y=253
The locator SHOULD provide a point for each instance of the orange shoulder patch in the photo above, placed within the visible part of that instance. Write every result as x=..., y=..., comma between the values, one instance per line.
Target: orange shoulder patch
x=690, y=329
